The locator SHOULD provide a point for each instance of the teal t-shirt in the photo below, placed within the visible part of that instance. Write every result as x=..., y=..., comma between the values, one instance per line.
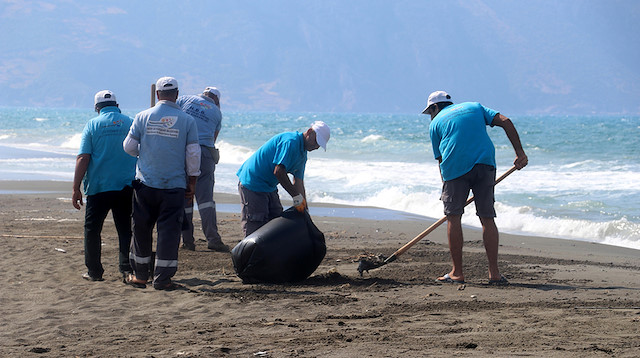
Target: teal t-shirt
x=459, y=135
x=110, y=167
x=256, y=173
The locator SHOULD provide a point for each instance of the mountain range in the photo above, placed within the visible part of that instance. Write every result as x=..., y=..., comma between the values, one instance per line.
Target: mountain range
x=537, y=57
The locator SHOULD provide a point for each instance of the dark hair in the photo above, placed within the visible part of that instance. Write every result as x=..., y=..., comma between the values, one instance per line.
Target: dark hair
x=443, y=105
x=168, y=93
x=101, y=105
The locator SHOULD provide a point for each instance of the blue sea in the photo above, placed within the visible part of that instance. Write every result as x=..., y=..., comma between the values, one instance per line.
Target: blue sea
x=582, y=181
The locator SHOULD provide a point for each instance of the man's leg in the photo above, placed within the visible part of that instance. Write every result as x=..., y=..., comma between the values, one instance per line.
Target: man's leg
x=145, y=213
x=95, y=213
x=169, y=228
x=275, y=206
x=491, y=239
x=206, y=204
x=204, y=194
x=255, y=209
x=121, y=206
x=454, y=196
x=456, y=242
x=187, y=224
x=483, y=187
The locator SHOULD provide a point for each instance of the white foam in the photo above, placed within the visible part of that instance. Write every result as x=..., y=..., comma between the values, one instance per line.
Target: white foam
x=515, y=220
x=73, y=142
x=233, y=154
x=371, y=138
x=619, y=232
x=415, y=188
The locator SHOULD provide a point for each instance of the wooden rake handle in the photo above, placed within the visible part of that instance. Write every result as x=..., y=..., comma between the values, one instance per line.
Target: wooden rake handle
x=435, y=225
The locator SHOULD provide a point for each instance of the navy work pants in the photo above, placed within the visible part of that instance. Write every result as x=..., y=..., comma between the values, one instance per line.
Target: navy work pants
x=164, y=208
x=206, y=204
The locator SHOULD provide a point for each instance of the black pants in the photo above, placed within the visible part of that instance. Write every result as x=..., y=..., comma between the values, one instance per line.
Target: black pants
x=98, y=206
x=164, y=208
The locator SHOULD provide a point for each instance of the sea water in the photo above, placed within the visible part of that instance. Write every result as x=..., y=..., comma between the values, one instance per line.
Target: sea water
x=582, y=181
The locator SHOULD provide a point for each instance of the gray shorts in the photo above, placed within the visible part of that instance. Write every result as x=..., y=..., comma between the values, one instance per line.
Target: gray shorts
x=481, y=181
x=258, y=208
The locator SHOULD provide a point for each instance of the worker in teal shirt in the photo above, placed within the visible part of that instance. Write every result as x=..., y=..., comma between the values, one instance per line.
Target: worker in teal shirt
x=259, y=176
x=107, y=172
x=467, y=162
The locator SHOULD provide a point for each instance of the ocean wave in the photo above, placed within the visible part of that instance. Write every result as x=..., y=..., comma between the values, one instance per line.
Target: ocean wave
x=513, y=220
x=372, y=138
x=73, y=142
x=233, y=154
x=618, y=232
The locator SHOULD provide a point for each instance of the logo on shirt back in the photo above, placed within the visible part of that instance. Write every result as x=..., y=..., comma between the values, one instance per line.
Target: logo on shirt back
x=163, y=127
x=205, y=105
x=114, y=123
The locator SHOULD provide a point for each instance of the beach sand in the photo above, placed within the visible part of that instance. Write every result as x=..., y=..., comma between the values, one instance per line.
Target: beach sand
x=566, y=298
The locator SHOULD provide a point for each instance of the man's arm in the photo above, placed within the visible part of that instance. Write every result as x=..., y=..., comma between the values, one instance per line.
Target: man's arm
x=299, y=185
x=281, y=174
x=82, y=163
x=521, y=158
x=193, y=155
x=131, y=146
x=191, y=188
x=295, y=189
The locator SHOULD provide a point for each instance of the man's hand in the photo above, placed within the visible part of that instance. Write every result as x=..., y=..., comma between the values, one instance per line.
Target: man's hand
x=299, y=203
x=521, y=161
x=191, y=188
x=82, y=164
x=190, y=192
x=76, y=199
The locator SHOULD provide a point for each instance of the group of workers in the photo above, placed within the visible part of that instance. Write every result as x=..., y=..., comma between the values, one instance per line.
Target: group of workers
x=148, y=170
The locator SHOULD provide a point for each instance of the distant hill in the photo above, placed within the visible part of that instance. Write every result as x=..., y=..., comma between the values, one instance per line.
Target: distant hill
x=567, y=57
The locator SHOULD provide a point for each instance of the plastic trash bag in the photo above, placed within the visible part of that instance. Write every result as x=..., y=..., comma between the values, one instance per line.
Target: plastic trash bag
x=286, y=249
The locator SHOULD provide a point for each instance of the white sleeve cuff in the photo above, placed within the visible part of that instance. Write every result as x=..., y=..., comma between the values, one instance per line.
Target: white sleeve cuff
x=193, y=159
x=130, y=146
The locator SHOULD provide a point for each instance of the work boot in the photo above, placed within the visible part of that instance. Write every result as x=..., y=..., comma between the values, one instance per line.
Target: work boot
x=189, y=246
x=218, y=246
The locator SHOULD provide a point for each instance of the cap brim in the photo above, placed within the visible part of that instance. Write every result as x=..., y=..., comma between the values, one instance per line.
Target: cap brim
x=424, y=111
x=321, y=142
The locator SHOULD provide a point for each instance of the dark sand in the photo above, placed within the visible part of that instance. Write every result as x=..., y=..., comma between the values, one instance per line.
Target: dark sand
x=566, y=298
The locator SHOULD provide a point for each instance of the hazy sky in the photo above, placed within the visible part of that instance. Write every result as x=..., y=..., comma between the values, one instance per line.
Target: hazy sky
x=564, y=57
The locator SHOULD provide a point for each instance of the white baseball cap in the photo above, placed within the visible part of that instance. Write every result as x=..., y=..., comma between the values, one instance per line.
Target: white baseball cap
x=437, y=97
x=104, y=96
x=166, y=84
x=213, y=91
x=323, y=133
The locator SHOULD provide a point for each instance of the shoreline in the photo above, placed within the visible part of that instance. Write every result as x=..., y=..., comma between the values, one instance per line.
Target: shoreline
x=363, y=217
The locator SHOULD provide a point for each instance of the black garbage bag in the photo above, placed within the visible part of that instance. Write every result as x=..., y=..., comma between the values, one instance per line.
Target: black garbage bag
x=286, y=249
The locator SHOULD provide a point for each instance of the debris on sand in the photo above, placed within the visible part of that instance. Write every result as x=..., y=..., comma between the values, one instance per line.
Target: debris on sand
x=368, y=261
